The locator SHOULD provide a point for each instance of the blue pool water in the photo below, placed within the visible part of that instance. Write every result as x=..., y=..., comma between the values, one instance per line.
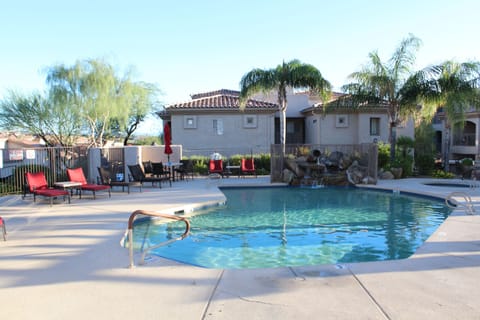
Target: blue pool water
x=273, y=227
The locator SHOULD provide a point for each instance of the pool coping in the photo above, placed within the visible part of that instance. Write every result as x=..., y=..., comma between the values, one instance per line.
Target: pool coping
x=68, y=256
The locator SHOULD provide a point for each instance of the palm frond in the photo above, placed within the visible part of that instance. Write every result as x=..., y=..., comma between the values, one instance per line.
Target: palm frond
x=255, y=81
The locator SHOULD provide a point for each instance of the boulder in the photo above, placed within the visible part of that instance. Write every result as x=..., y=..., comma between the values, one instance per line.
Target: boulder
x=292, y=165
x=287, y=176
x=356, y=173
x=386, y=175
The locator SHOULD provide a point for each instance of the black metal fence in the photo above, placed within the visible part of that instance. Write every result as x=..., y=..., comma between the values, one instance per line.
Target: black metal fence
x=52, y=161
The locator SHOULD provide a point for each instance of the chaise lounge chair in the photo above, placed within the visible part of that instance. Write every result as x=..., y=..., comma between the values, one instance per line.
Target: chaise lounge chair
x=76, y=175
x=37, y=185
x=139, y=176
x=106, y=179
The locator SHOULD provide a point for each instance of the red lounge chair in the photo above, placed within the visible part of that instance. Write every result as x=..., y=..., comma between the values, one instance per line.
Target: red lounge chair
x=4, y=229
x=37, y=184
x=215, y=166
x=76, y=175
x=248, y=167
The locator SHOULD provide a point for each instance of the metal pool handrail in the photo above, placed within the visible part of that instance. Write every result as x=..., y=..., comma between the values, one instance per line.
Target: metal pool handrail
x=467, y=205
x=153, y=214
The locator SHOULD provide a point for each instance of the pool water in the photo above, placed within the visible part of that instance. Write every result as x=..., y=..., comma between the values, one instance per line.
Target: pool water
x=276, y=227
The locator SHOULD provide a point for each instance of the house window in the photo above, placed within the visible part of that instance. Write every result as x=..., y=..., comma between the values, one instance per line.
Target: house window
x=341, y=121
x=189, y=122
x=218, y=127
x=374, y=126
x=250, y=121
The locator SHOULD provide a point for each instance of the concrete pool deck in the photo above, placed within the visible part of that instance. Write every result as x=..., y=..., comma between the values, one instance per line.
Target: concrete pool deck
x=65, y=262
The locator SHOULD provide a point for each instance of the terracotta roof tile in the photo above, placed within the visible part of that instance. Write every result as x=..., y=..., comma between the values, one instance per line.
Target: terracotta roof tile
x=221, y=99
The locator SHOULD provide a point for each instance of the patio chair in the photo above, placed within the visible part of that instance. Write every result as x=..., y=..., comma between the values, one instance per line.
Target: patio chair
x=147, y=167
x=186, y=170
x=37, y=185
x=215, y=166
x=158, y=170
x=76, y=175
x=247, y=166
x=105, y=177
x=139, y=176
x=4, y=229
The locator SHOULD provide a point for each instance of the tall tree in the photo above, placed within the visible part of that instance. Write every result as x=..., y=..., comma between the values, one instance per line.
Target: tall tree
x=381, y=83
x=54, y=123
x=452, y=86
x=95, y=89
x=140, y=98
x=293, y=74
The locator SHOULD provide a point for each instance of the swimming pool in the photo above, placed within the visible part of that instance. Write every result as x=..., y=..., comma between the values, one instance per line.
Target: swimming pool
x=273, y=227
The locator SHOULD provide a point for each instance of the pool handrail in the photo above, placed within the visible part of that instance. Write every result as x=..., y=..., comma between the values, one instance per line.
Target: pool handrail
x=467, y=204
x=153, y=214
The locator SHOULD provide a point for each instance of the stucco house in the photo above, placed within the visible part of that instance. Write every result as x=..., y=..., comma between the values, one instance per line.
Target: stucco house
x=212, y=122
x=462, y=138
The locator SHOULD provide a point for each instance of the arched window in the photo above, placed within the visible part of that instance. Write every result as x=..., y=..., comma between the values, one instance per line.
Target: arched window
x=464, y=133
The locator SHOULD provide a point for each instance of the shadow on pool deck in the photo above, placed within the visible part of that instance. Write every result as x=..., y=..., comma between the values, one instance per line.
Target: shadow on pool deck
x=65, y=262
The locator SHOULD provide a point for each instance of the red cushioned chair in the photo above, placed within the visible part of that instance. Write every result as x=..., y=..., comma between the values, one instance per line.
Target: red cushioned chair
x=37, y=184
x=215, y=166
x=248, y=167
x=4, y=229
x=76, y=175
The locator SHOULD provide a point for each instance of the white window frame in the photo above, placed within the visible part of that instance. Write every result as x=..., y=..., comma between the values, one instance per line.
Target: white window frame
x=341, y=121
x=218, y=127
x=377, y=121
x=189, y=122
x=250, y=121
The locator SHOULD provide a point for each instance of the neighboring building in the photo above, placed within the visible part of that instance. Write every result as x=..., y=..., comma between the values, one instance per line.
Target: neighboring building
x=212, y=122
x=463, y=136
x=342, y=124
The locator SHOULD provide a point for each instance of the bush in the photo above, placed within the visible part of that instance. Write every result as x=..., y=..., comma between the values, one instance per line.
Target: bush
x=467, y=162
x=425, y=164
x=442, y=174
x=406, y=163
x=383, y=155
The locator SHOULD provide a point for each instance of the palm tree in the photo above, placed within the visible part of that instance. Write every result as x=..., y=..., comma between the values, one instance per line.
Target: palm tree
x=293, y=74
x=452, y=86
x=380, y=83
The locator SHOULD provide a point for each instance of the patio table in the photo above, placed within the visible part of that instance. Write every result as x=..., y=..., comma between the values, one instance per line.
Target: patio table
x=67, y=185
x=171, y=166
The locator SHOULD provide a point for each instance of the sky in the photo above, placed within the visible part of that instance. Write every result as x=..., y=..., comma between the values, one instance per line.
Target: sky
x=188, y=46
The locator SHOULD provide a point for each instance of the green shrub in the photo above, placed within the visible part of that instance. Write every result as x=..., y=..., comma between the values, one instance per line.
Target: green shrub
x=442, y=174
x=425, y=164
x=383, y=155
x=467, y=162
x=406, y=163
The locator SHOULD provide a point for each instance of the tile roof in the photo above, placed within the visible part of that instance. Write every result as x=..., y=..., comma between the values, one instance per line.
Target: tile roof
x=220, y=100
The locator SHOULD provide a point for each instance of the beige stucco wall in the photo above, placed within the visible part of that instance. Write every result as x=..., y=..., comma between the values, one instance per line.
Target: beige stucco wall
x=157, y=154
x=235, y=139
x=323, y=129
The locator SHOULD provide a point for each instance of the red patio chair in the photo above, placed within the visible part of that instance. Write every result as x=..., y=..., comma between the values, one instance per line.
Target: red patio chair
x=76, y=175
x=37, y=184
x=248, y=167
x=215, y=166
x=4, y=229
